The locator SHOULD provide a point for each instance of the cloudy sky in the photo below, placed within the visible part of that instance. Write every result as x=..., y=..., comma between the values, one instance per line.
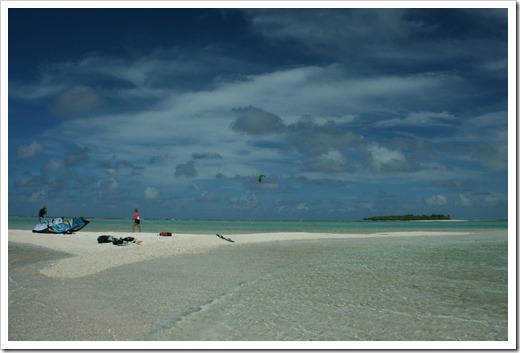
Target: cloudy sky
x=349, y=113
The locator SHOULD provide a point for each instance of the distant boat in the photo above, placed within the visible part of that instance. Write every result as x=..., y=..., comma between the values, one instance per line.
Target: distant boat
x=58, y=226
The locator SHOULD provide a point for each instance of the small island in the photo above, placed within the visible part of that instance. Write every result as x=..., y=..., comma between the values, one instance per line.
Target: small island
x=410, y=217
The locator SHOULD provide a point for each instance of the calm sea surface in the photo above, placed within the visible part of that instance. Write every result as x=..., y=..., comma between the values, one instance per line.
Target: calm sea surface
x=247, y=227
x=437, y=288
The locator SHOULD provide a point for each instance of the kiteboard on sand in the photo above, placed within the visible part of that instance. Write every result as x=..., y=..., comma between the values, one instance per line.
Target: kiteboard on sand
x=223, y=237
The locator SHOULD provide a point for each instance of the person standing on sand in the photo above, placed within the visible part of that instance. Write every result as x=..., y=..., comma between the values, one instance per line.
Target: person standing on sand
x=137, y=221
x=42, y=214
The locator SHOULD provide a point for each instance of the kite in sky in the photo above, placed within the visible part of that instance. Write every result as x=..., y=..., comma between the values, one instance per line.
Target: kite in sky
x=260, y=177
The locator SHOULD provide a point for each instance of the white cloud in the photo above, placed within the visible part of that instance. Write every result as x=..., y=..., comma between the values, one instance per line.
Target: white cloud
x=437, y=200
x=491, y=199
x=207, y=196
x=28, y=152
x=291, y=205
x=54, y=164
x=38, y=196
x=331, y=28
x=77, y=100
x=255, y=121
x=35, y=91
x=331, y=161
x=244, y=202
x=464, y=200
x=151, y=193
x=107, y=185
x=422, y=119
x=302, y=207
x=383, y=159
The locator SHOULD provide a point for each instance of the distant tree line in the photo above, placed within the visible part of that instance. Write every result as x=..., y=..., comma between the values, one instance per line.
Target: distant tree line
x=410, y=217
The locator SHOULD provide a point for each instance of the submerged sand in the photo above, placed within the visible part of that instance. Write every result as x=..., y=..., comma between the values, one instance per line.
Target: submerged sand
x=70, y=288
x=89, y=257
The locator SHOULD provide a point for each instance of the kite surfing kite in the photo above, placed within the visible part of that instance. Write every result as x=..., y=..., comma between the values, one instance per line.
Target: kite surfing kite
x=59, y=226
x=260, y=178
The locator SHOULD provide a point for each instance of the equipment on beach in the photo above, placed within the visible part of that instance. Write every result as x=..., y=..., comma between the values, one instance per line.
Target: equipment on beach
x=165, y=234
x=223, y=237
x=121, y=241
x=105, y=239
x=58, y=226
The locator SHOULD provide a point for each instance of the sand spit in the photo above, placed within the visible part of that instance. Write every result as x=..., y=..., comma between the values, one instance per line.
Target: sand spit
x=89, y=257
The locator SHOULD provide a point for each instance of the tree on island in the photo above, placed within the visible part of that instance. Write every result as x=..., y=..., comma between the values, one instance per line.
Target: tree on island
x=409, y=217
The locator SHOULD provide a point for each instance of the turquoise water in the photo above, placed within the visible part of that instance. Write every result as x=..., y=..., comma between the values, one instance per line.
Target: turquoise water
x=438, y=288
x=247, y=227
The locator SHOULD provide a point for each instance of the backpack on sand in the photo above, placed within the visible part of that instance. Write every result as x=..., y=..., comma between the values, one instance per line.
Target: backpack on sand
x=165, y=234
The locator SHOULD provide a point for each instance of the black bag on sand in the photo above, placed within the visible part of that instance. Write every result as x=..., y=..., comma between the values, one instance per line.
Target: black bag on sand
x=119, y=241
x=123, y=241
x=165, y=234
x=105, y=239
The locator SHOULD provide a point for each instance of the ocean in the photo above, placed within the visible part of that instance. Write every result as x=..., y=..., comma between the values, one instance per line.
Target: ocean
x=250, y=227
x=424, y=288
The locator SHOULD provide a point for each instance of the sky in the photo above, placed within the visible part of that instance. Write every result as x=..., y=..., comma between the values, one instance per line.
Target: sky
x=349, y=112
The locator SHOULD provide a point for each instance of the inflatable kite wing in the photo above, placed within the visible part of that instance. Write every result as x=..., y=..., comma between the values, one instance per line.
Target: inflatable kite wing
x=58, y=226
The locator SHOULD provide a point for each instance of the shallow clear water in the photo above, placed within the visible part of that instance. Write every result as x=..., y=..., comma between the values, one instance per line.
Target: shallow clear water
x=419, y=288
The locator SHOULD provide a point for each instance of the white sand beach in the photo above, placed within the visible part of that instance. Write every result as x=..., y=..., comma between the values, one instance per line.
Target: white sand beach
x=89, y=257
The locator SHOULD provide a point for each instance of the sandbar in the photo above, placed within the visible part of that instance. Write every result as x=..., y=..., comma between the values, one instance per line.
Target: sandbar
x=89, y=257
